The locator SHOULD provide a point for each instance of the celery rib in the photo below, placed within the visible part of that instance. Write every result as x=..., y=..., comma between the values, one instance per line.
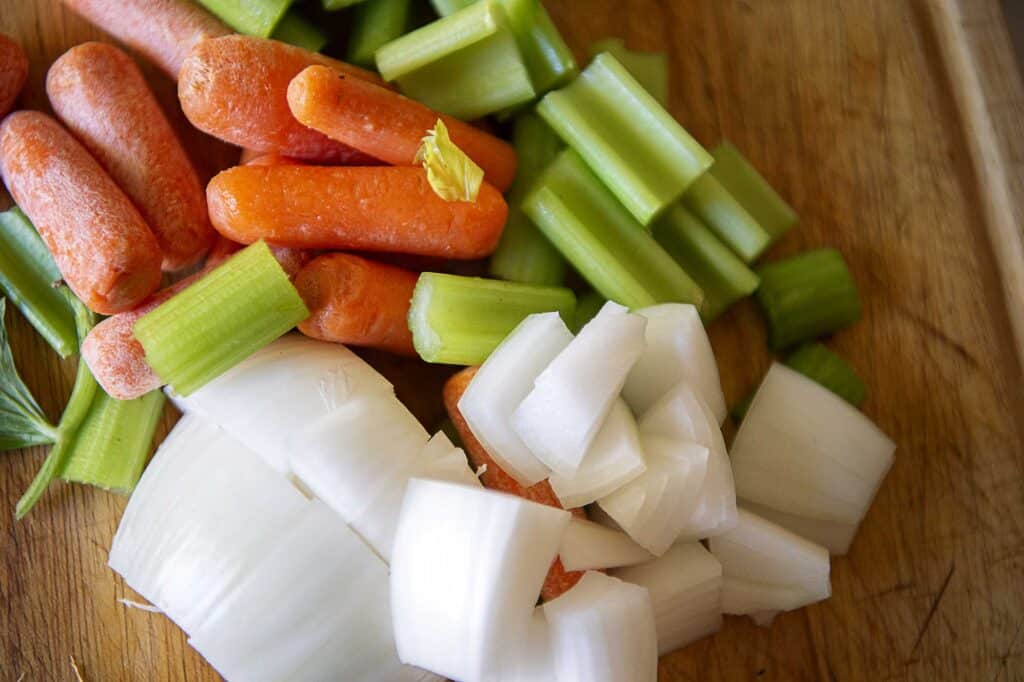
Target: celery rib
x=377, y=22
x=650, y=69
x=758, y=197
x=727, y=218
x=252, y=17
x=817, y=362
x=294, y=29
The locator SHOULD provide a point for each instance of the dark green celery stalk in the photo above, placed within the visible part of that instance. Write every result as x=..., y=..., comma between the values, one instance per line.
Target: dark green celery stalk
x=377, y=22
x=761, y=201
x=294, y=29
x=650, y=69
x=252, y=17
x=587, y=306
x=726, y=217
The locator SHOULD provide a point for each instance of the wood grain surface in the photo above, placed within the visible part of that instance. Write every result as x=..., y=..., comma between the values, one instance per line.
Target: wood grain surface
x=847, y=106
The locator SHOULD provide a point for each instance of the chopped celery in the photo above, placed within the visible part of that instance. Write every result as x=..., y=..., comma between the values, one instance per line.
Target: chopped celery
x=252, y=17
x=446, y=7
x=817, y=362
x=726, y=217
x=22, y=423
x=460, y=320
x=637, y=149
x=296, y=30
x=27, y=274
x=524, y=254
x=602, y=240
x=466, y=65
x=220, y=320
x=587, y=306
x=722, y=276
x=807, y=296
x=111, y=446
x=376, y=23
x=650, y=69
x=743, y=181
x=334, y=5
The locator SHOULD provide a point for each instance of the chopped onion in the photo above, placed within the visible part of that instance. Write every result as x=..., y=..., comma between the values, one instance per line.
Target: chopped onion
x=529, y=659
x=685, y=585
x=834, y=536
x=502, y=382
x=466, y=570
x=613, y=459
x=587, y=545
x=603, y=630
x=654, y=507
x=570, y=399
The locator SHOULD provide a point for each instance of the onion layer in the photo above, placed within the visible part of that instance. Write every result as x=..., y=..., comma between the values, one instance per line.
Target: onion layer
x=587, y=545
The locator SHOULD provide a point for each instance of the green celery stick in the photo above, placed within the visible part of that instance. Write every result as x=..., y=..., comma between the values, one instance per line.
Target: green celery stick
x=446, y=7
x=294, y=29
x=252, y=17
x=377, y=22
x=334, y=5
x=742, y=180
x=599, y=237
x=220, y=319
x=650, y=69
x=22, y=423
x=807, y=296
x=726, y=217
x=587, y=306
x=722, y=276
x=460, y=320
x=637, y=149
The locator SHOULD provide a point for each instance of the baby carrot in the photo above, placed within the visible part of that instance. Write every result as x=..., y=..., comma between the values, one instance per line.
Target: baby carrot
x=357, y=301
x=379, y=208
x=291, y=260
x=250, y=158
x=100, y=95
x=13, y=72
x=236, y=88
x=164, y=31
x=387, y=125
x=102, y=246
x=222, y=249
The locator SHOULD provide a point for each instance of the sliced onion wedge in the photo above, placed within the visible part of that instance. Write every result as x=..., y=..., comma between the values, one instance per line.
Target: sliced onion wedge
x=529, y=659
x=587, y=545
x=834, y=536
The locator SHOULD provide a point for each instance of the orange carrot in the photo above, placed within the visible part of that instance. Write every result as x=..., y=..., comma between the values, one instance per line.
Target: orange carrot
x=371, y=209
x=387, y=125
x=164, y=31
x=253, y=159
x=357, y=301
x=291, y=260
x=222, y=249
x=102, y=246
x=13, y=73
x=236, y=88
x=100, y=95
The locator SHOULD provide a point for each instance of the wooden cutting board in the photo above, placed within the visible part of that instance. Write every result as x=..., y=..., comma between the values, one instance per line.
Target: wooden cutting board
x=847, y=108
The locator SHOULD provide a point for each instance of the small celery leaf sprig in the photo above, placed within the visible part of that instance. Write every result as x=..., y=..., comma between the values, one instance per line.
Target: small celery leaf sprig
x=450, y=172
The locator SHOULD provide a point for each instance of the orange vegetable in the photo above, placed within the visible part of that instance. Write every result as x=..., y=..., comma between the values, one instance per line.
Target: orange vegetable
x=102, y=246
x=13, y=72
x=253, y=159
x=100, y=95
x=164, y=31
x=236, y=88
x=372, y=209
x=221, y=250
x=387, y=125
x=291, y=260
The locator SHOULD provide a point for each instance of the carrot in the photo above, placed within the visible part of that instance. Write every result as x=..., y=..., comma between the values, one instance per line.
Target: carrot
x=291, y=260
x=222, y=249
x=236, y=88
x=357, y=301
x=102, y=246
x=387, y=125
x=100, y=95
x=494, y=477
x=163, y=31
x=250, y=158
x=371, y=209
x=13, y=73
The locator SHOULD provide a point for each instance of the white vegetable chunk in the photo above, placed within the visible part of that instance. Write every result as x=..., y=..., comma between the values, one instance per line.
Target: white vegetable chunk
x=590, y=546
x=560, y=417
x=529, y=659
x=685, y=585
x=502, y=382
x=834, y=536
x=677, y=348
x=603, y=630
x=466, y=570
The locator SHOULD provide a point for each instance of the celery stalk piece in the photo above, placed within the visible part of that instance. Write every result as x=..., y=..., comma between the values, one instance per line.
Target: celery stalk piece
x=27, y=274
x=460, y=320
x=726, y=217
x=637, y=149
x=376, y=23
x=466, y=65
x=524, y=254
x=650, y=69
x=110, y=449
x=807, y=296
x=446, y=7
x=724, y=278
x=743, y=181
x=294, y=29
x=220, y=320
x=599, y=237
x=22, y=423
x=252, y=17
x=334, y=5
x=587, y=306
x=817, y=362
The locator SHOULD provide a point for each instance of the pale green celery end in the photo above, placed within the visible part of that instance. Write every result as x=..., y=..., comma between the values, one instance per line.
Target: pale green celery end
x=252, y=17
x=587, y=308
x=27, y=273
x=333, y=5
x=220, y=320
x=377, y=22
x=829, y=369
x=446, y=7
x=745, y=183
x=295, y=30
x=650, y=69
x=627, y=138
x=525, y=255
x=547, y=57
x=536, y=146
x=727, y=218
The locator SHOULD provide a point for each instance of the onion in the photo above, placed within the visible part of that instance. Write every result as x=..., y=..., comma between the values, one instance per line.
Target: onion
x=602, y=630
x=587, y=545
x=570, y=399
x=654, y=507
x=529, y=659
x=502, y=382
x=685, y=585
x=466, y=570
x=613, y=459
x=834, y=536
x=677, y=348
